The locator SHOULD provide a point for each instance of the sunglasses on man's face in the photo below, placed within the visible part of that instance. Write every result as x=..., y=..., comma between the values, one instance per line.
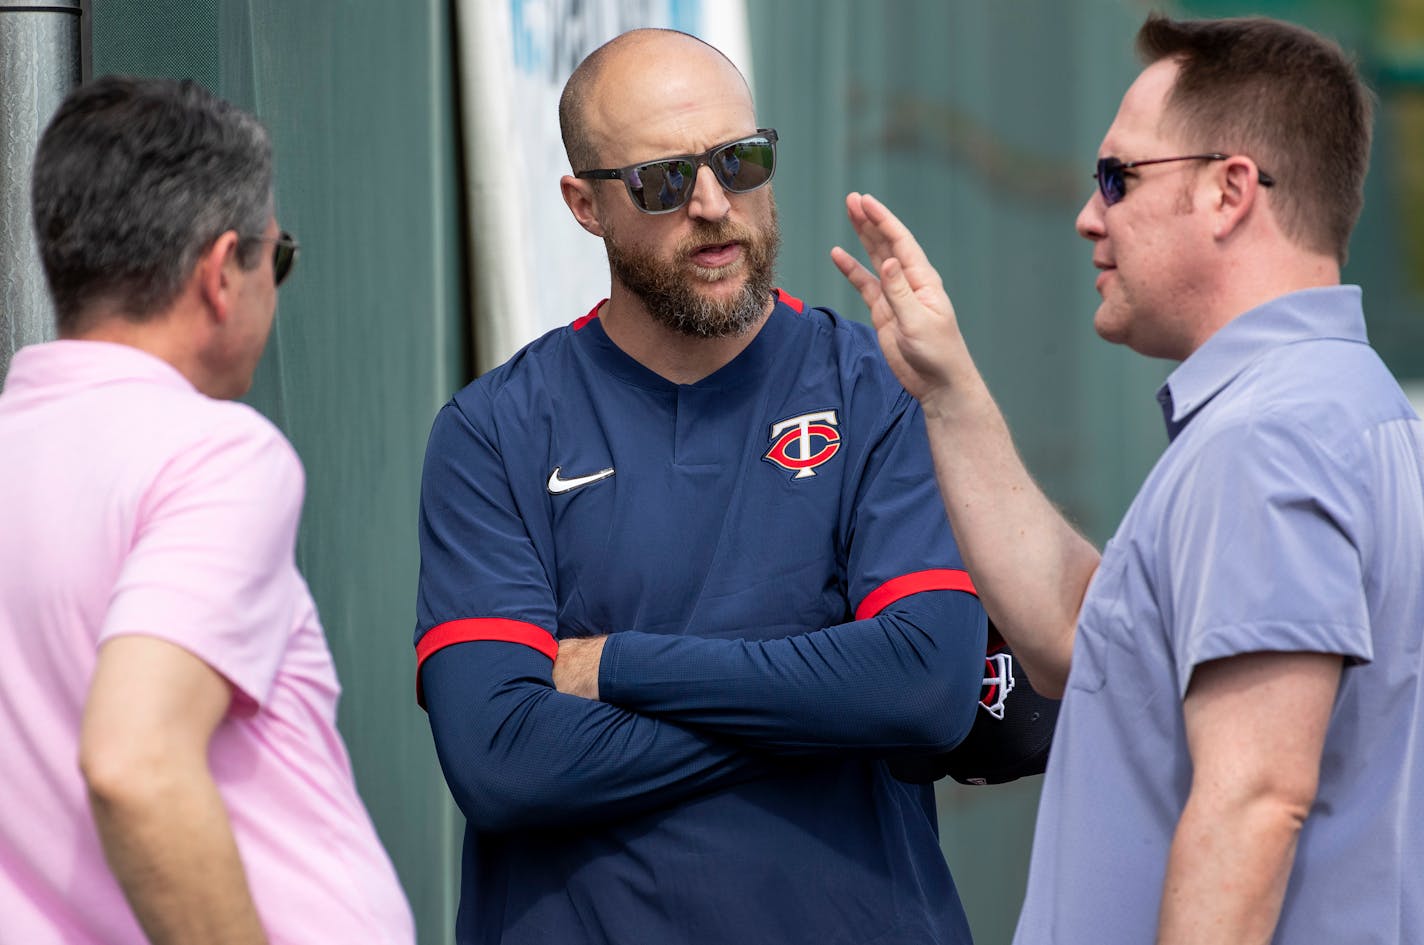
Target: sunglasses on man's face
x=664, y=185
x=1112, y=173
x=284, y=253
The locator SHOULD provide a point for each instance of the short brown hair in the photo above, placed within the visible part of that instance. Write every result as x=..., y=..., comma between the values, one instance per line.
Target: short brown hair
x=1289, y=98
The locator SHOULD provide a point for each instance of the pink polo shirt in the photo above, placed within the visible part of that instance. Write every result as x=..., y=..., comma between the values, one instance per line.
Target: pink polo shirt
x=132, y=504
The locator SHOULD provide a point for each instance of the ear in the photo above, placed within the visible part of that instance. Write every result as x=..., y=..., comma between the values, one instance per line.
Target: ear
x=1239, y=185
x=578, y=194
x=214, y=273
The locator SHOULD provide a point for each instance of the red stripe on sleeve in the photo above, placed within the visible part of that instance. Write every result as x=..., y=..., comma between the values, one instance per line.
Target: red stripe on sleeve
x=585, y=319
x=790, y=300
x=939, y=579
x=480, y=628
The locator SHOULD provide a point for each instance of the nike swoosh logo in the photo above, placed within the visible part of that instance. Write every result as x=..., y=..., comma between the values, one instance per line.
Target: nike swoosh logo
x=558, y=486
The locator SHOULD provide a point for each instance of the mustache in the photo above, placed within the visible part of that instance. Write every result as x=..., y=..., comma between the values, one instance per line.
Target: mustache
x=707, y=233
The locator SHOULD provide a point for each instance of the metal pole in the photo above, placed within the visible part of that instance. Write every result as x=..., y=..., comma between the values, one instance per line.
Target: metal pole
x=39, y=64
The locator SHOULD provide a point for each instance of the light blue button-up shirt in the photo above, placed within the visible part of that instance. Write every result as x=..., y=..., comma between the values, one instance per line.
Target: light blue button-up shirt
x=1287, y=514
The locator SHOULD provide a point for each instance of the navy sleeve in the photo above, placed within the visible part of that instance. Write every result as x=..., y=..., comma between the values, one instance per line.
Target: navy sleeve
x=905, y=675
x=514, y=750
x=905, y=680
x=516, y=753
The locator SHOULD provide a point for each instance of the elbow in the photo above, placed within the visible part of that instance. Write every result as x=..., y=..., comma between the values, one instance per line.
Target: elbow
x=1046, y=669
x=1043, y=652
x=122, y=778
x=1290, y=800
x=480, y=796
x=959, y=712
x=488, y=809
x=1294, y=813
x=1049, y=684
x=933, y=711
x=495, y=801
x=932, y=706
x=1266, y=808
x=943, y=712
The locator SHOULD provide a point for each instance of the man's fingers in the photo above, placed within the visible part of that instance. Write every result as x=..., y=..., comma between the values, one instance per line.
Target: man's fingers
x=880, y=216
x=853, y=207
x=846, y=263
x=896, y=287
x=902, y=267
x=896, y=240
x=876, y=246
x=860, y=277
x=851, y=268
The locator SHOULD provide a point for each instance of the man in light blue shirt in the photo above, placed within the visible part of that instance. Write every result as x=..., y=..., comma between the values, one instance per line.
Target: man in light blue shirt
x=1240, y=754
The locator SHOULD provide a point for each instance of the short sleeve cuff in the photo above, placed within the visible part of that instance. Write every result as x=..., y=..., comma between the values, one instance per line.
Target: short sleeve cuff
x=1345, y=640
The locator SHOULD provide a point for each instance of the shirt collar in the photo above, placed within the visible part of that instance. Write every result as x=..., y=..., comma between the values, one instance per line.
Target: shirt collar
x=1327, y=312
x=756, y=359
x=69, y=364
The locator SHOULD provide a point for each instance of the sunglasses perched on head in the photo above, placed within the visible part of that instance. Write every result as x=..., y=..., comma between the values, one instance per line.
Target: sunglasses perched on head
x=664, y=185
x=1112, y=173
x=284, y=253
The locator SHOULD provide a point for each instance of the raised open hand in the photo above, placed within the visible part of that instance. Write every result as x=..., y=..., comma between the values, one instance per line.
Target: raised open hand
x=909, y=308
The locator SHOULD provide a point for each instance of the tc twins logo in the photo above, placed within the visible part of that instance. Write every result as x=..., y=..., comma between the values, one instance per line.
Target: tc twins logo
x=802, y=443
x=998, y=683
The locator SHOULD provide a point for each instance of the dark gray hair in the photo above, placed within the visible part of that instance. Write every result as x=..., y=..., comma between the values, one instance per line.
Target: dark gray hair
x=134, y=178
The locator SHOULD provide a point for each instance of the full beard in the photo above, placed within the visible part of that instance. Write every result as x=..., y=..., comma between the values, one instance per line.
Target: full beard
x=669, y=291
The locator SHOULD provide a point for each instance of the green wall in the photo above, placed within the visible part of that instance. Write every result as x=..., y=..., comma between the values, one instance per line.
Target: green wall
x=368, y=340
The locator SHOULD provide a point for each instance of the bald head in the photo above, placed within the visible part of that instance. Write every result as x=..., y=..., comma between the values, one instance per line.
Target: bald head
x=649, y=64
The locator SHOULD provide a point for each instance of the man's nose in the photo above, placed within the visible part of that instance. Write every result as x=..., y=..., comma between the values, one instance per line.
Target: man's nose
x=709, y=201
x=1090, y=219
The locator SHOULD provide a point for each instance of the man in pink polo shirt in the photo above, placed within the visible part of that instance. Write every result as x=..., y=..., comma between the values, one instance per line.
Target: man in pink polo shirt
x=172, y=770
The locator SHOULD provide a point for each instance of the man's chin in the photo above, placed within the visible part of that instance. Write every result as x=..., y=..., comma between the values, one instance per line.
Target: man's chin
x=1111, y=326
x=725, y=310
x=729, y=278
x=721, y=294
x=720, y=286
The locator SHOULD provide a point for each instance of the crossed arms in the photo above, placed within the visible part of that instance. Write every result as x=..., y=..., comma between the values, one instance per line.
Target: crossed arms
x=518, y=752
x=679, y=715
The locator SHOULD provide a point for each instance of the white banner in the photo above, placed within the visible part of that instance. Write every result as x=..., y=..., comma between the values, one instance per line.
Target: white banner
x=533, y=268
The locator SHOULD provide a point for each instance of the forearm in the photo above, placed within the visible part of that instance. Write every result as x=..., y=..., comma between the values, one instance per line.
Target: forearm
x=143, y=752
x=1227, y=872
x=907, y=680
x=1030, y=566
x=517, y=753
x=168, y=841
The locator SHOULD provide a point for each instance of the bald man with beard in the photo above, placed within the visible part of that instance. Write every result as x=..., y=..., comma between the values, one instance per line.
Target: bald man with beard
x=687, y=594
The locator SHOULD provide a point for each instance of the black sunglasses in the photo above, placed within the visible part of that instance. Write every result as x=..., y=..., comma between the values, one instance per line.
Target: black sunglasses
x=1112, y=173
x=284, y=253
x=663, y=185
